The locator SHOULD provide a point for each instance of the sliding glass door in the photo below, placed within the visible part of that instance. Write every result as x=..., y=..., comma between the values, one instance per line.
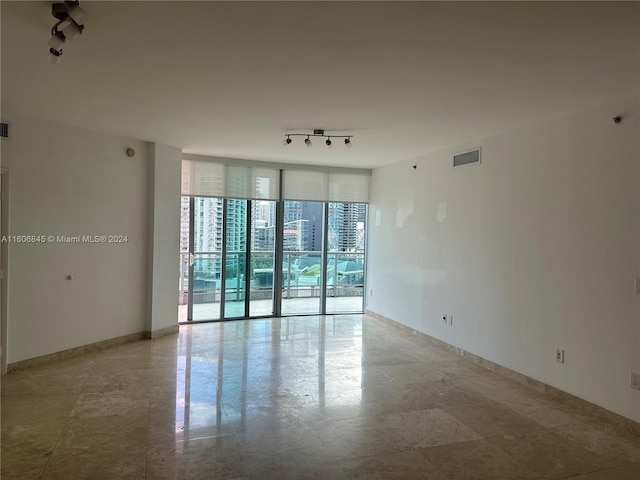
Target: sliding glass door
x=243, y=258
x=345, y=257
x=200, y=258
x=235, y=272
x=302, y=257
x=262, y=258
x=249, y=258
x=242, y=232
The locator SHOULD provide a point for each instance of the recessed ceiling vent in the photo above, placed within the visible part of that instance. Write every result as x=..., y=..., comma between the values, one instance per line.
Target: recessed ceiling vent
x=465, y=158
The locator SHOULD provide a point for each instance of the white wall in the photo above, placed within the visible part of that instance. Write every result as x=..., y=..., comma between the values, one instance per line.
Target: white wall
x=67, y=181
x=534, y=249
x=165, y=165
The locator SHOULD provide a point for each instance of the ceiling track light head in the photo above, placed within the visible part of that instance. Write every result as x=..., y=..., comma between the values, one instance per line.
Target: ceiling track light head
x=57, y=40
x=328, y=142
x=307, y=141
x=73, y=31
x=55, y=55
x=76, y=13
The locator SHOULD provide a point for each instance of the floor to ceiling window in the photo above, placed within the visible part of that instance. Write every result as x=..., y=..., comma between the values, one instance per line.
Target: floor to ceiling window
x=263, y=253
x=253, y=247
x=345, y=257
x=302, y=257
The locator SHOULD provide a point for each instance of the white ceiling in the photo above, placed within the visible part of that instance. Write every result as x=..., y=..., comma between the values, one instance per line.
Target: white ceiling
x=230, y=78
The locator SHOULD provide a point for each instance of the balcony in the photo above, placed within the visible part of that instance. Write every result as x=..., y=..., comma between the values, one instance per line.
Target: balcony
x=300, y=291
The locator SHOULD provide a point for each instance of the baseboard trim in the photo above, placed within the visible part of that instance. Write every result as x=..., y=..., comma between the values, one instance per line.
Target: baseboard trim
x=565, y=398
x=75, y=352
x=162, y=331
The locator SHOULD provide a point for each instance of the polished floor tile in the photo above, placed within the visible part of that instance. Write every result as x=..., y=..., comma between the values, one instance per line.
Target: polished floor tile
x=477, y=460
x=627, y=472
x=339, y=397
x=402, y=465
x=428, y=428
x=551, y=455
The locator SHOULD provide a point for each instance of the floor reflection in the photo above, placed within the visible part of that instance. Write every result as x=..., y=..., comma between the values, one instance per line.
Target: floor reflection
x=255, y=373
x=338, y=398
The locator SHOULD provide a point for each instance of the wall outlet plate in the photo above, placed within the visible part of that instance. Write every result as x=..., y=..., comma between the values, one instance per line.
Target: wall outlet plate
x=559, y=355
x=635, y=380
x=637, y=286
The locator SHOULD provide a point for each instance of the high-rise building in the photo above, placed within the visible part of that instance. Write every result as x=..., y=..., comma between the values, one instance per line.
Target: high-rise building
x=347, y=224
x=184, y=224
x=304, y=219
x=236, y=225
x=293, y=236
x=312, y=213
x=263, y=214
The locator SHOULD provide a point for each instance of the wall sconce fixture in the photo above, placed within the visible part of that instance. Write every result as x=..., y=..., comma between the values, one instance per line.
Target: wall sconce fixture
x=70, y=25
x=317, y=133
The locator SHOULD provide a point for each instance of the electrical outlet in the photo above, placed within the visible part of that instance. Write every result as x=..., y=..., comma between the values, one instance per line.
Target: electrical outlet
x=635, y=380
x=559, y=355
x=637, y=286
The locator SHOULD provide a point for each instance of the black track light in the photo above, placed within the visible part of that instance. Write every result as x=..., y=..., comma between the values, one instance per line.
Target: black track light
x=70, y=24
x=317, y=133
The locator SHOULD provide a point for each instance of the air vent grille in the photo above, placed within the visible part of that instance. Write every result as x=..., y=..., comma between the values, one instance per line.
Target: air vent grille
x=4, y=130
x=466, y=158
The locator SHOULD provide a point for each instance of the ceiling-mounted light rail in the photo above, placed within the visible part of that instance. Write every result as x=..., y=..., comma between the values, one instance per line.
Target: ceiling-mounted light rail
x=70, y=26
x=317, y=133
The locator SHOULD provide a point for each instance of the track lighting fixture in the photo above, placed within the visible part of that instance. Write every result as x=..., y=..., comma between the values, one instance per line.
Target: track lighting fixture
x=70, y=26
x=317, y=133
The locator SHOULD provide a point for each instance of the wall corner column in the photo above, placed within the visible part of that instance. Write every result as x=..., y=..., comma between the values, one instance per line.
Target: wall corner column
x=164, y=239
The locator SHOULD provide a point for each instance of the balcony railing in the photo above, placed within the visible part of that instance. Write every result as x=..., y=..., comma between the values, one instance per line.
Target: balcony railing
x=301, y=275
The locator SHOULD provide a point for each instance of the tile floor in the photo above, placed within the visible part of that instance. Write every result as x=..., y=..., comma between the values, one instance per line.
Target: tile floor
x=344, y=397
